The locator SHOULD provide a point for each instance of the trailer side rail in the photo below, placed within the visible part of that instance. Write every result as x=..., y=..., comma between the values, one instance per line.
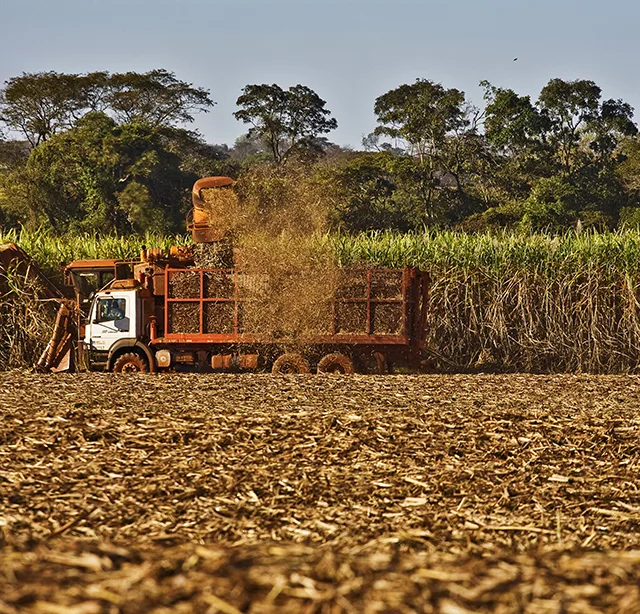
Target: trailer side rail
x=370, y=306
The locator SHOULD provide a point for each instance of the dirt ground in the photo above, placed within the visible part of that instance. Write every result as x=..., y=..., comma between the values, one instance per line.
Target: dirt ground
x=255, y=493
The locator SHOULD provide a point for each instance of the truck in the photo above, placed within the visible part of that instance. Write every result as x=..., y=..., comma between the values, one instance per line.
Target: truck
x=165, y=313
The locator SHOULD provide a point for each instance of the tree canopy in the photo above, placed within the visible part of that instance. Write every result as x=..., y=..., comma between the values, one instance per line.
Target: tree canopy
x=559, y=156
x=101, y=151
x=439, y=131
x=39, y=105
x=287, y=121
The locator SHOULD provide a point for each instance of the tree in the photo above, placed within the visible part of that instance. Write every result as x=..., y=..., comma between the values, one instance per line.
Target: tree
x=578, y=118
x=558, y=157
x=156, y=98
x=512, y=123
x=439, y=130
x=422, y=114
x=572, y=107
x=99, y=176
x=103, y=151
x=288, y=121
x=39, y=105
x=516, y=133
x=567, y=121
x=614, y=124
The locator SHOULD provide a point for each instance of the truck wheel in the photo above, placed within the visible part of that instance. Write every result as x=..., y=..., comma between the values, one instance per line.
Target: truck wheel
x=290, y=363
x=130, y=363
x=335, y=363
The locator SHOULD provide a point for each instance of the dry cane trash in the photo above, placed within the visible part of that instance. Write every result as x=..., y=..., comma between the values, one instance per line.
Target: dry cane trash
x=316, y=493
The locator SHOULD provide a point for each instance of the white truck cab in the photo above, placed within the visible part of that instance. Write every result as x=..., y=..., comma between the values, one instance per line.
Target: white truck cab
x=113, y=317
x=114, y=336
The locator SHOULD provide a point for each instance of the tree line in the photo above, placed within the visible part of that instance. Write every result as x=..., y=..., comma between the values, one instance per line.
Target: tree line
x=113, y=152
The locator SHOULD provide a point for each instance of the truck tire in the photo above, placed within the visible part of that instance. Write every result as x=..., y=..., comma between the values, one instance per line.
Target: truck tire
x=336, y=363
x=290, y=363
x=130, y=363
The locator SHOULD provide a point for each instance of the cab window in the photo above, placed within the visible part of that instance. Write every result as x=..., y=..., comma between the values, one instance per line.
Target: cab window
x=85, y=283
x=110, y=309
x=105, y=278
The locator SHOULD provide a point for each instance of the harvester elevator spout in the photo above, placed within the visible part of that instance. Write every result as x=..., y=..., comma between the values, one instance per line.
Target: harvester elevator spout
x=203, y=228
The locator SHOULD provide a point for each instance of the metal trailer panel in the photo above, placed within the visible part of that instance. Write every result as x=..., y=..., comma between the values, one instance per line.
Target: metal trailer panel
x=412, y=303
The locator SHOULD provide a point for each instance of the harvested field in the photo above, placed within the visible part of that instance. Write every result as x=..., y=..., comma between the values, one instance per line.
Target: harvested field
x=319, y=494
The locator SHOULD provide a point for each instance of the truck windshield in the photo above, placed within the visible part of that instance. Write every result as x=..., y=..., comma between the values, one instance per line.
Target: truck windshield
x=109, y=309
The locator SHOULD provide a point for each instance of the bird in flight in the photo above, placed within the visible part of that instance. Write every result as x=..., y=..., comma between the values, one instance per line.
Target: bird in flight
x=515, y=59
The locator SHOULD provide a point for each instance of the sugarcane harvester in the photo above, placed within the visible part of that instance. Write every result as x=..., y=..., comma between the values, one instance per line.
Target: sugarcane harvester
x=169, y=312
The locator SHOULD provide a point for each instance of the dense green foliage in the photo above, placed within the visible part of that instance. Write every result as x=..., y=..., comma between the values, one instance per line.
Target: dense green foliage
x=109, y=152
x=288, y=122
x=43, y=104
x=494, y=253
x=102, y=152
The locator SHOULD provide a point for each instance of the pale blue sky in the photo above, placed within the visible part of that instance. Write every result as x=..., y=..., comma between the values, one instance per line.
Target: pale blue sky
x=348, y=51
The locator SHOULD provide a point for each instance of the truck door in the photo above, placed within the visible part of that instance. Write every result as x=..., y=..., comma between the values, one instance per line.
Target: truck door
x=112, y=319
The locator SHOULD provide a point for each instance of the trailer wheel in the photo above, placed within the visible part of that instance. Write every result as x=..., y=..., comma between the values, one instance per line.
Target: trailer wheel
x=382, y=364
x=130, y=363
x=290, y=363
x=336, y=363
x=372, y=362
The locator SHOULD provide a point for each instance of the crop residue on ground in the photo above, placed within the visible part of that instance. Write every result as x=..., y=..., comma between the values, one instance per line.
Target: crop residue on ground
x=455, y=493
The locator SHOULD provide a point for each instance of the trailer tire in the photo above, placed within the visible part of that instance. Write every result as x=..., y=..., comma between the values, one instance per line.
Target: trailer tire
x=290, y=363
x=382, y=364
x=336, y=363
x=130, y=363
